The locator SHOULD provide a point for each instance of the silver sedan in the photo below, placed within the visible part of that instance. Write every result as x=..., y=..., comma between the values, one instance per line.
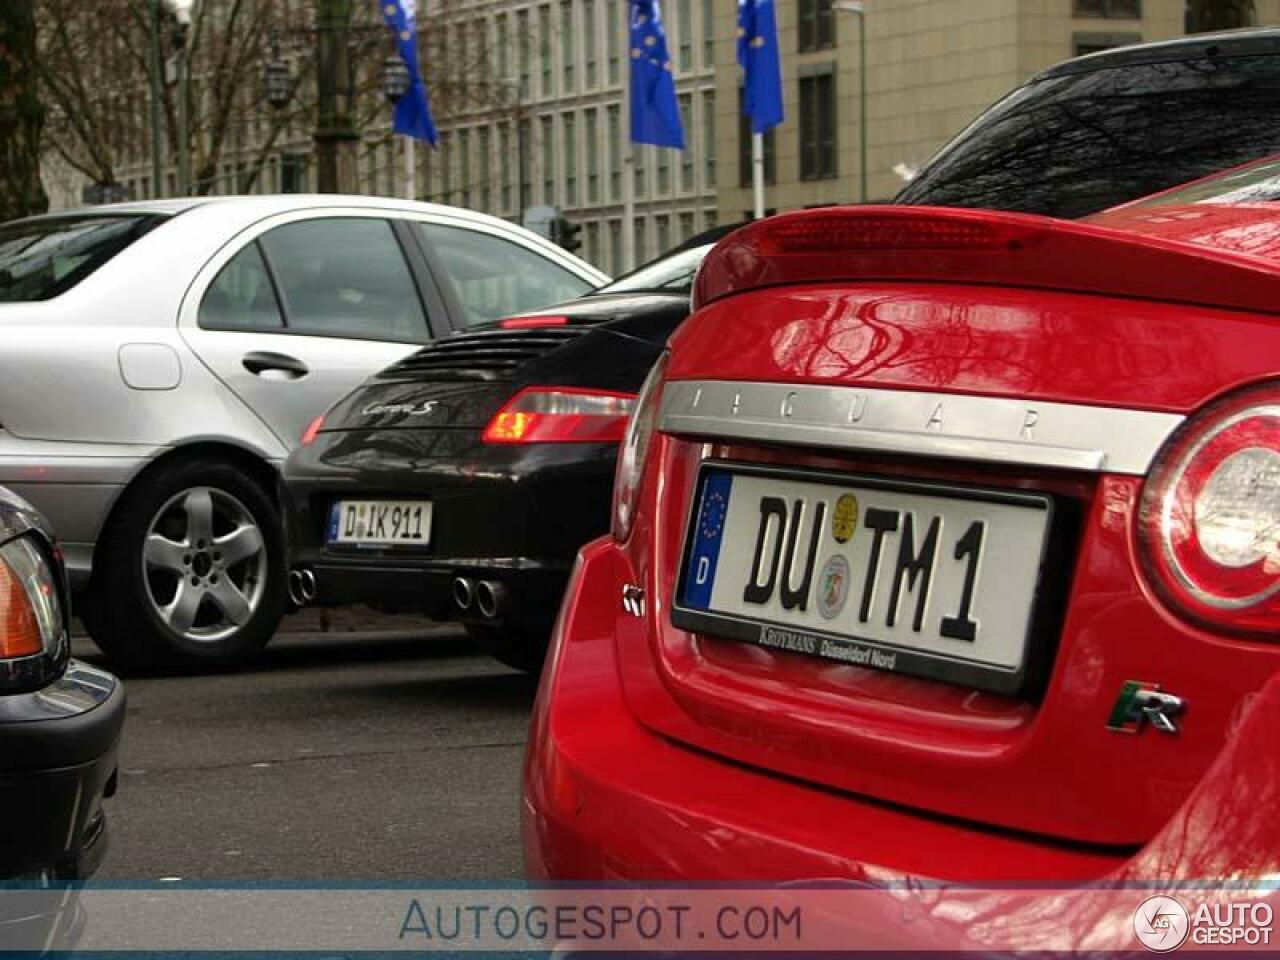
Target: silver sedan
x=160, y=359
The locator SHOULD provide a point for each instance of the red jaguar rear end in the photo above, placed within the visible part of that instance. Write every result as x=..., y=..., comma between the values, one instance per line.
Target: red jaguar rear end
x=946, y=544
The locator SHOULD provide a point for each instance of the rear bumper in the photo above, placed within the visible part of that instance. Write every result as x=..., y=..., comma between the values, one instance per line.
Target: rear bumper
x=605, y=798
x=510, y=515
x=58, y=747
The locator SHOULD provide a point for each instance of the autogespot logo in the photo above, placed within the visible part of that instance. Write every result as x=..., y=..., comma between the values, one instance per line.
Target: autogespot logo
x=1161, y=924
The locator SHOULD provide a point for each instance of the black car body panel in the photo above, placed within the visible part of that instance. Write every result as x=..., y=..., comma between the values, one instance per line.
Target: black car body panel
x=60, y=725
x=514, y=514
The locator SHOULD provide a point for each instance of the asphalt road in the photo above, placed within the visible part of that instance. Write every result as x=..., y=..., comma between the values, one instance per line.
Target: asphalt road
x=341, y=757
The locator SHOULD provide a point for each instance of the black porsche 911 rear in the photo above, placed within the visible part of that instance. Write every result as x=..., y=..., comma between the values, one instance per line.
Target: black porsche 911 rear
x=462, y=481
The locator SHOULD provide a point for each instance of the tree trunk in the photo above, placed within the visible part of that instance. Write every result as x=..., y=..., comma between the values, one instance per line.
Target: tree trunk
x=1206, y=15
x=21, y=116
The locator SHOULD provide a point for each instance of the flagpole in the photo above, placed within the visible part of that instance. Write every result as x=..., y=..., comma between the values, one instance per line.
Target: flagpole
x=410, y=170
x=757, y=172
x=628, y=175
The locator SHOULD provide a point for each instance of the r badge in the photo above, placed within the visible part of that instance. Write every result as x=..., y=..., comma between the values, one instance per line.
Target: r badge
x=1141, y=702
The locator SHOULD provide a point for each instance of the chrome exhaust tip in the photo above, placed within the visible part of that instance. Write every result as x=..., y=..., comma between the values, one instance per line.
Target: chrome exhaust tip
x=464, y=593
x=307, y=584
x=490, y=598
x=295, y=588
x=302, y=586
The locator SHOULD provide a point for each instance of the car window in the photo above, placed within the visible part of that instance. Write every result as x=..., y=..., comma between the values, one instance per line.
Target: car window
x=1256, y=183
x=241, y=296
x=496, y=278
x=1072, y=145
x=345, y=277
x=674, y=273
x=40, y=259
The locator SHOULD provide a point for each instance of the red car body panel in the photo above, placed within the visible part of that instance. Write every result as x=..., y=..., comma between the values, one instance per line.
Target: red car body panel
x=733, y=761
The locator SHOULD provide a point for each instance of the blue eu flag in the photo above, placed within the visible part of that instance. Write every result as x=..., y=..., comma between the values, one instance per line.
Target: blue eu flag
x=413, y=112
x=655, y=113
x=758, y=54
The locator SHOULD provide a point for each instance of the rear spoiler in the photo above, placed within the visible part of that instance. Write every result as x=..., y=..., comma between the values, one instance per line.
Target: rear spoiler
x=948, y=245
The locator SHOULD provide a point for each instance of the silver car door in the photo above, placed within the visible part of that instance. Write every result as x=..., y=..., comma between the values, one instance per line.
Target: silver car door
x=302, y=313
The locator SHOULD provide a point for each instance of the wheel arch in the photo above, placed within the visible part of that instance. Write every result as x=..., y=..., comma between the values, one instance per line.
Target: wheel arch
x=254, y=463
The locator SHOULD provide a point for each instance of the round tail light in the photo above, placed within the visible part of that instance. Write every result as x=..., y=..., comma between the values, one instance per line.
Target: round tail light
x=1209, y=524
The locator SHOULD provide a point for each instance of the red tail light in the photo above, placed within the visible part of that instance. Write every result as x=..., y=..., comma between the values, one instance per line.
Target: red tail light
x=313, y=428
x=635, y=451
x=561, y=415
x=532, y=323
x=1209, y=527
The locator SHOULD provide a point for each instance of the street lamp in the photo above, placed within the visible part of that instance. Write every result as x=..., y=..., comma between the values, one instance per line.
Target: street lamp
x=859, y=8
x=395, y=77
x=277, y=80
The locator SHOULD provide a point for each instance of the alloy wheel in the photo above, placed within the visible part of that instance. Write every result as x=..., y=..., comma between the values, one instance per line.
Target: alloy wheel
x=204, y=564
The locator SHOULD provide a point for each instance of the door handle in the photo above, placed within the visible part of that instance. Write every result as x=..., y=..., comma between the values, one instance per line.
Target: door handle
x=264, y=363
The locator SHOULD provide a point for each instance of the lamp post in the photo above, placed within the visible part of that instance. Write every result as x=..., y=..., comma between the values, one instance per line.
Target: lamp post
x=395, y=84
x=859, y=8
x=157, y=81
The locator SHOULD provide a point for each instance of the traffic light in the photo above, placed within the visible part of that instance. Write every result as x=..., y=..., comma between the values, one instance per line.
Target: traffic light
x=565, y=233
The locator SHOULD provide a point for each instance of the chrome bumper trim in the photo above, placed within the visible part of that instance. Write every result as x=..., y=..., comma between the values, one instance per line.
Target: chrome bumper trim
x=953, y=426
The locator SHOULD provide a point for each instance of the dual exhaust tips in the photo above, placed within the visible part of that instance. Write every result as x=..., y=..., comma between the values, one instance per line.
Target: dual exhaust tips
x=488, y=598
x=302, y=586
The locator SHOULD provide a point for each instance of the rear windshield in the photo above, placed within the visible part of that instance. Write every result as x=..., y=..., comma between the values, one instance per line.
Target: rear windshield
x=1258, y=183
x=40, y=259
x=1072, y=145
x=672, y=274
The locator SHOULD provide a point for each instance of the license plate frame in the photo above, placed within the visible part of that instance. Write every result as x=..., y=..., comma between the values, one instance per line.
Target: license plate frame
x=333, y=527
x=1042, y=621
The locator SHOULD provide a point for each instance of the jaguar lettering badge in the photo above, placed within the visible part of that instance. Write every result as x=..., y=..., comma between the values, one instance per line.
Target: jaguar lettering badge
x=405, y=409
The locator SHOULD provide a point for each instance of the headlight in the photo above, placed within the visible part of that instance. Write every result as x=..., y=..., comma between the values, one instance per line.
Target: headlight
x=33, y=632
x=635, y=450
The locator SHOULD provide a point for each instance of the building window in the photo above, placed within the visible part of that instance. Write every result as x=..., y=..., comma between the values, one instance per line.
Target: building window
x=1084, y=43
x=662, y=228
x=686, y=227
x=818, y=126
x=684, y=21
x=544, y=49
x=464, y=166
x=522, y=39
x=569, y=128
x=816, y=25
x=615, y=248
x=615, y=152
x=504, y=46
x=664, y=170
x=568, y=58
x=1110, y=9
x=642, y=241
x=504, y=164
x=593, y=242
x=593, y=156
x=485, y=164
x=523, y=150
x=709, y=139
x=638, y=154
x=744, y=148
x=708, y=34
x=613, y=25
x=686, y=156
x=589, y=43
x=548, y=161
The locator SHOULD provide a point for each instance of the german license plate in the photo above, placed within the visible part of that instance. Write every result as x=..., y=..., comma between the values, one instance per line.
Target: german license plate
x=925, y=579
x=380, y=522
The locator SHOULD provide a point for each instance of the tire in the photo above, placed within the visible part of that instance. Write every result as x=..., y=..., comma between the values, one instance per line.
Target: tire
x=520, y=649
x=163, y=597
